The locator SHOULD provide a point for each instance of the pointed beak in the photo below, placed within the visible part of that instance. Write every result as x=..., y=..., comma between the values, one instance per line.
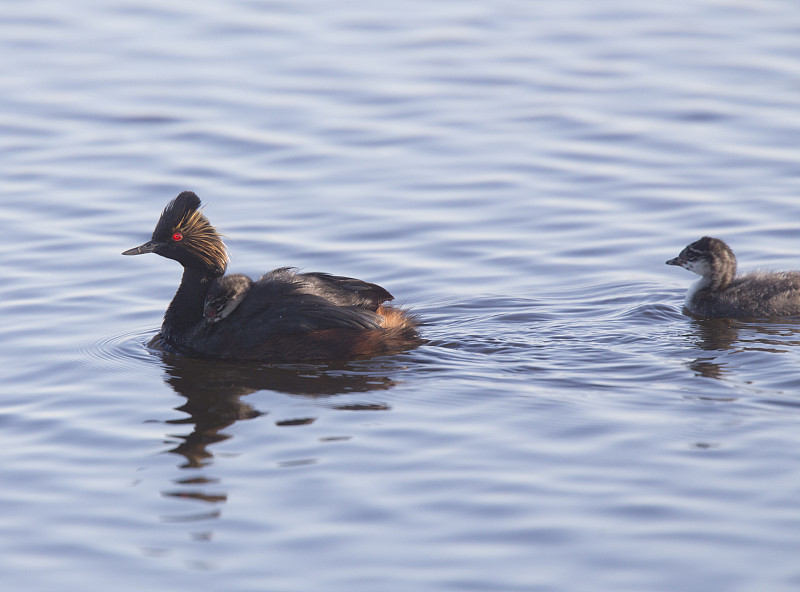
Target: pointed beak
x=148, y=247
x=676, y=261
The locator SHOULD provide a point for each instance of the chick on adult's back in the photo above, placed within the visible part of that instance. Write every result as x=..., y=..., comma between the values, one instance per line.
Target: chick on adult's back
x=721, y=293
x=284, y=316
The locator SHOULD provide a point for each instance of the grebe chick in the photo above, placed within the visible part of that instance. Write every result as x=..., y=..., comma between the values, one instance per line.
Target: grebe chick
x=284, y=316
x=721, y=293
x=224, y=295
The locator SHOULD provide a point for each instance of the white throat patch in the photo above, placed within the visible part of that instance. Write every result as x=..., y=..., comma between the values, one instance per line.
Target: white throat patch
x=700, y=267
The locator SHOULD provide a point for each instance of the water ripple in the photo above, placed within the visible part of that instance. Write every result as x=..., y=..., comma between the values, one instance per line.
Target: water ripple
x=128, y=349
x=517, y=172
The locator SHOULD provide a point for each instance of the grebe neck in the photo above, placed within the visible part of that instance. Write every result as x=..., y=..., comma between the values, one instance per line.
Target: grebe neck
x=723, y=273
x=698, y=286
x=186, y=309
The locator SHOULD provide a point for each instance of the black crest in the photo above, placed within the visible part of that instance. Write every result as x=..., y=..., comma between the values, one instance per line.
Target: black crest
x=177, y=210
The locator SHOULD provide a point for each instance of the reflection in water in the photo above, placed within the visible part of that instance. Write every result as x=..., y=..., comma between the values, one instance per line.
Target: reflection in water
x=213, y=392
x=724, y=335
x=715, y=334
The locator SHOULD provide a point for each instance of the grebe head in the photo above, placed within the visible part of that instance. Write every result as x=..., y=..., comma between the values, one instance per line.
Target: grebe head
x=186, y=235
x=710, y=258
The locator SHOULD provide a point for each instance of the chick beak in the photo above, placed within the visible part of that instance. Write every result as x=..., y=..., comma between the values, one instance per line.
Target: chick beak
x=148, y=247
x=677, y=261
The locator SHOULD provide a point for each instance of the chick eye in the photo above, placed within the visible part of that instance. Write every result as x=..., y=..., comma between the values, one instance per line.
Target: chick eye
x=177, y=236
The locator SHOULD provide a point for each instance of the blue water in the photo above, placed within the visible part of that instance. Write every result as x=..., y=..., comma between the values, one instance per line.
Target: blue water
x=517, y=173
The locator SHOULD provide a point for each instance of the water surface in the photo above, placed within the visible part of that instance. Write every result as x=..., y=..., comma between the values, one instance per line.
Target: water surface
x=517, y=172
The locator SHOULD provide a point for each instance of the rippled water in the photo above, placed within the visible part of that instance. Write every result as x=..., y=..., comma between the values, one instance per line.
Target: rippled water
x=517, y=172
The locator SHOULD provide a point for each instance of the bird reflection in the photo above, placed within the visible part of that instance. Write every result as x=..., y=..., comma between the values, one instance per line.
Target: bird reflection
x=214, y=392
x=723, y=335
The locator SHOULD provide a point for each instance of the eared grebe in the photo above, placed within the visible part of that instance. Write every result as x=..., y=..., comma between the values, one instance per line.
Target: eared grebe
x=284, y=316
x=720, y=293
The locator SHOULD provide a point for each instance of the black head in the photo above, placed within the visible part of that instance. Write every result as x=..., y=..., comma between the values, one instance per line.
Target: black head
x=185, y=235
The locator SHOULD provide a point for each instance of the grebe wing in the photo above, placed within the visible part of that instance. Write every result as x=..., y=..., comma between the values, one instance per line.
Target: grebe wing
x=339, y=290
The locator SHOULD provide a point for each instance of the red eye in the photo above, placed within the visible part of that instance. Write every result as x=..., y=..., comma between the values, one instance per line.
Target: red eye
x=177, y=236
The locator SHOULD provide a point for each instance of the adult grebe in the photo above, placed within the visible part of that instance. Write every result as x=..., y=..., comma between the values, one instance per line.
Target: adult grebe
x=284, y=316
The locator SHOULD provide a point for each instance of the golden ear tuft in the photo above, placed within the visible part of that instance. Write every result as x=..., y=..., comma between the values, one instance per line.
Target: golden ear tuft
x=203, y=240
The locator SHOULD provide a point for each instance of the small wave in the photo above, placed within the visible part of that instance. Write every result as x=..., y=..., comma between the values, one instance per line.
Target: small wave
x=651, y=311
x=131, y=348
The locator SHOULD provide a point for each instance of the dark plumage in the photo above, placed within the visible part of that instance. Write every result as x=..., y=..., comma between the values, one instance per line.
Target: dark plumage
x=720, y=293
x=285, y=316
